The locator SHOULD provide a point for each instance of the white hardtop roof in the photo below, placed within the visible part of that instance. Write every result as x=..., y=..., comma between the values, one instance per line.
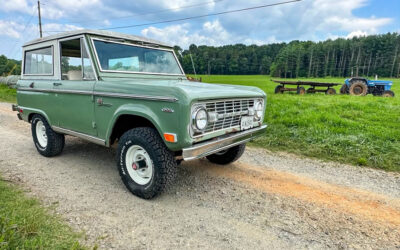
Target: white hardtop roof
x=103, y=33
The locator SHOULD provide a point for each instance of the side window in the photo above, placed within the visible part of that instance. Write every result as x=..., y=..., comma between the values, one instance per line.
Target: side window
x=88, y=73
x=39, y=62
x=75, y=62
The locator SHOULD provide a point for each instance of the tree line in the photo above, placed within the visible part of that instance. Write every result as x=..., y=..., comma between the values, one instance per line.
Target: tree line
x=9, y=66
x=359, y=56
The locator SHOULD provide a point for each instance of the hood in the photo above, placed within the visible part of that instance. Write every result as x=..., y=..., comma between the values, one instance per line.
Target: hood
x=180, y=89
x=206, y=91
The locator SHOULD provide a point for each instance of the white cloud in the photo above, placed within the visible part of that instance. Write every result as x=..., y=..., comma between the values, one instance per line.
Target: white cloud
x=306, y=20
x=10, y=29
x=211, y=33
x=16, y=5
x=357, y=33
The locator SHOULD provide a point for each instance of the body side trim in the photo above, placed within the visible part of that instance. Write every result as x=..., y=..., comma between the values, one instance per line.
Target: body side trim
x=118, y=95
x=80, y=135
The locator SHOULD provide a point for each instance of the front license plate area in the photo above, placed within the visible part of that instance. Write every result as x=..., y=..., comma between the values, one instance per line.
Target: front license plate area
x=246, y=122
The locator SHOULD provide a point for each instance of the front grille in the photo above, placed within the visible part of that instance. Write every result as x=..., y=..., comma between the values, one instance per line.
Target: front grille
x=229, y=113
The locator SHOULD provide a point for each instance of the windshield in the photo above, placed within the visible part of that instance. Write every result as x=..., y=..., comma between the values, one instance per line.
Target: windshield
x=130, y=58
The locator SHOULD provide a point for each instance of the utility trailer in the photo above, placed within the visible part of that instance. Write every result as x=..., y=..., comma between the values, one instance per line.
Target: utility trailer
x=298, y=86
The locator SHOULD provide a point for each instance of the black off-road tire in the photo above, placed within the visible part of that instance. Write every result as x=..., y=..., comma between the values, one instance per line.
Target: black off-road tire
x=301, y=90
x=279, y=89
x=164, y=164
x=388, y=93
x=358, y=88
x=344, y=89
x=55, y=141
x=330, y=91
x=227, y=156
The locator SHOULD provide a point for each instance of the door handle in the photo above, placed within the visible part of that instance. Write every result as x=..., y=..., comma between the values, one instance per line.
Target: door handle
x=57, y=83
x=101, y=103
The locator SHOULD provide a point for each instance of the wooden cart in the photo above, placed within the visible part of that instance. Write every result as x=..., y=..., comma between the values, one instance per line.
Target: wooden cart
x=324, y=87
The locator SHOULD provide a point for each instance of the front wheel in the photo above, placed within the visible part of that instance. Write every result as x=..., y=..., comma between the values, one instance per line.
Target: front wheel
x=47, y=142
x=227, y=156
x=145, y=164
x=388, y=93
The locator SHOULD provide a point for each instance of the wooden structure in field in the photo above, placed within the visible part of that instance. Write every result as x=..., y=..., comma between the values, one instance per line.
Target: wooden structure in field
x=298, y=86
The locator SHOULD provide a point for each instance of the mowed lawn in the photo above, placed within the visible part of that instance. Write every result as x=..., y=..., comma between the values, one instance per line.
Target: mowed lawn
x=7, y=94
x=362, y=131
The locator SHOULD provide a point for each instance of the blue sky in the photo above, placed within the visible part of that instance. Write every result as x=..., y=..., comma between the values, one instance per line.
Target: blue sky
x=305, y=20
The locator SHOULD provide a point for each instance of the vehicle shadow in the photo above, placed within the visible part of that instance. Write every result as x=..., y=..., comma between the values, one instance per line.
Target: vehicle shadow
x=100, y=163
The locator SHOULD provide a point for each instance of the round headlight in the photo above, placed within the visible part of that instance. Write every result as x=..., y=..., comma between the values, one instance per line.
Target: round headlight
x=259, y=108
x=200, y=119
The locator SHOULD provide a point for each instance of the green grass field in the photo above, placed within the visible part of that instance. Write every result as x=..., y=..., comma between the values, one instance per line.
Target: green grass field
x=7, y=94
x=25, y=224
x=362, y=131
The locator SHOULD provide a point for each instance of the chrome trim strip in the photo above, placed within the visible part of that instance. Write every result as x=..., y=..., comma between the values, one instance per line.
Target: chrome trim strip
x=141, y=97
x=221, y=143
x=117, y=95
x=80, y=135
x=60, y=91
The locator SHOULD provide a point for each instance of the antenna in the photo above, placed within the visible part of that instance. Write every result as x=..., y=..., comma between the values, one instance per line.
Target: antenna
x=192, y=64
x=40, y=19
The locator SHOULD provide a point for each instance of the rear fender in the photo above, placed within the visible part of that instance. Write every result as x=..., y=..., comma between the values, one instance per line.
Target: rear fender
x=27, y=114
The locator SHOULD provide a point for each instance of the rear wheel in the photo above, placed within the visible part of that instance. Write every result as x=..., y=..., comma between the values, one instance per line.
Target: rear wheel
x=330, y=91
x=388, y=93
x=344, y=89
x=301, y=90
x=47, y=142
x=279, y=89
x=358, y=88
x=227, y=156
x=145, y=164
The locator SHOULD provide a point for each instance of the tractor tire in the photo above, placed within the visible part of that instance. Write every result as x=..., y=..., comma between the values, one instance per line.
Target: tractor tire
x=358, y=88
x=330, y=91
x=344, y=89
x=301, y=90
x=388, y=93
x=310, y=91
x=279, y=89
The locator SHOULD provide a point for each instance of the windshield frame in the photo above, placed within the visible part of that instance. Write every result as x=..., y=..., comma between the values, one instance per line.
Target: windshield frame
x=92, y=39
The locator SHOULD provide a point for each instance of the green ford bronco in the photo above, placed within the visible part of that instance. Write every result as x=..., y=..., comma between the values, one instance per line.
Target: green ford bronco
x=107, y=88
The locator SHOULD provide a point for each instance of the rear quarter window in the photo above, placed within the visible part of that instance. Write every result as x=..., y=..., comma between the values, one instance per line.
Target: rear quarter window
x=39, y=61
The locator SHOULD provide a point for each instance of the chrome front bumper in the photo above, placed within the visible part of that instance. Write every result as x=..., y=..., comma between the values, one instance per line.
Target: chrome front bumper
x=221, y=143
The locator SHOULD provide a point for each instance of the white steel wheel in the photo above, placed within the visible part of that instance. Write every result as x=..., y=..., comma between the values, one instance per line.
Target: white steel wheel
x=139, y=165
x=41, y=134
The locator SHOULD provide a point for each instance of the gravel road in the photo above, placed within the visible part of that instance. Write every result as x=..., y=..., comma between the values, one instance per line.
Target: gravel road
x=265, y=200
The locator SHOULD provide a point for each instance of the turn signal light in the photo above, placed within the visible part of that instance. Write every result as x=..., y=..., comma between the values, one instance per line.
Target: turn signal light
x=169, y=137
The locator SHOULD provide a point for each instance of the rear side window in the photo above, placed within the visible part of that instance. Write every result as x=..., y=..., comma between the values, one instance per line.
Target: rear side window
x=39, y=61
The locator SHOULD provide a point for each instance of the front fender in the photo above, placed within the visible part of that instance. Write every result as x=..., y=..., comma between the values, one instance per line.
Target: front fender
x=162, y=121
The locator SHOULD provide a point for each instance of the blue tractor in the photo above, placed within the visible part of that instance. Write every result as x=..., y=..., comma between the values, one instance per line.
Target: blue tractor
x=363, y=86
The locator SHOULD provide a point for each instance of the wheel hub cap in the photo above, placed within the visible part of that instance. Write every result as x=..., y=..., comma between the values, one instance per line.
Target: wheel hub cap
x=41, y=134
x=139, y=165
